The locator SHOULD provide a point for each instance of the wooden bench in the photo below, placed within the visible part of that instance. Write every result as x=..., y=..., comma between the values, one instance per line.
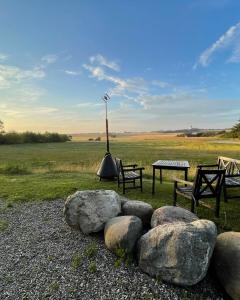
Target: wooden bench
x=232, y=174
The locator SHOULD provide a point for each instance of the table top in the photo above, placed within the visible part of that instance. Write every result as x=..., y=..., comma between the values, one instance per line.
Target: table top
x=171, y=163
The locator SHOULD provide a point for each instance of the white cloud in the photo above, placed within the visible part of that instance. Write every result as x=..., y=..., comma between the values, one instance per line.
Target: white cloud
x=135, y=85
x=73, y=73
x=88, y=104
x=229, y=40
x=12, y=74
x=102, y=61
x=49, y=58
x=161, y=84
x=25, y=110
x=3, y=56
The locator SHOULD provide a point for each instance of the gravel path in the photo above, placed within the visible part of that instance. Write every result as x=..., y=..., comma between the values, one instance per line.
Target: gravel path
x=42, y=258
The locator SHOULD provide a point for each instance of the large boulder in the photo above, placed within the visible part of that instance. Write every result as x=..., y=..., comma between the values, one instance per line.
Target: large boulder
x=227, y=262
x=89, y=210
x=137, y=208
x=122, y=233
x=178, y=253
x=171, y=214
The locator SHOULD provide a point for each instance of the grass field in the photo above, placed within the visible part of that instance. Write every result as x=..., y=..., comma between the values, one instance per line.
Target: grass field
x=37, y=172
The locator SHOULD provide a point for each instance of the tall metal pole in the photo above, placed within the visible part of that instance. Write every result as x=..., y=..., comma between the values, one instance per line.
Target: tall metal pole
x=107, y=131
x=105, y=99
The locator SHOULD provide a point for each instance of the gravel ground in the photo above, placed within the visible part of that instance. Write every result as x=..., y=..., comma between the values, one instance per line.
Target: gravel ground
x=42, y=258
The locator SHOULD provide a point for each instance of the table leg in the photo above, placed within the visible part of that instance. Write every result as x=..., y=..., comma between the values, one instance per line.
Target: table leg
x=160, y=175
x=186, y=175
x=153, y=181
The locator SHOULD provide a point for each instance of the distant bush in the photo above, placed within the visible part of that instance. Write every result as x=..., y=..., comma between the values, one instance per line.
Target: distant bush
x=10, y=138
x=98, y=139
x=14, y=170
x=234, y=132
x=201, y=134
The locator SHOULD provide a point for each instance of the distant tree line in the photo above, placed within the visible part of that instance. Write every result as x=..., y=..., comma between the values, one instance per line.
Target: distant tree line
x=234, y=132
x=9, y=138
x=202, y=134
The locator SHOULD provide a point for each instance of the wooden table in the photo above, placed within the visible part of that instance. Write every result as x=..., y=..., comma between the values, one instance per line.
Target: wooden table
x=178, y=165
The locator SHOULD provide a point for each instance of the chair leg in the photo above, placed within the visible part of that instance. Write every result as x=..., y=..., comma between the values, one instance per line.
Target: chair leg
x=123, y=187
x=217, y=209
x=134, y=183
x=175, y=194
x=141, y=184
x=192, y=205
x=225, y=193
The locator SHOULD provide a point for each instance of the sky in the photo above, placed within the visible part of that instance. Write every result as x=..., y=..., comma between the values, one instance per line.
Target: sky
x=166, y=64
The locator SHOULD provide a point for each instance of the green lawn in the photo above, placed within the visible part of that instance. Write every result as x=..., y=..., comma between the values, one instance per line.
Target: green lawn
x=37, y=172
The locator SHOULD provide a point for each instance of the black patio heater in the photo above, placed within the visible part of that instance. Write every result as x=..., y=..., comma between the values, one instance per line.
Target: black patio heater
x=108, y=168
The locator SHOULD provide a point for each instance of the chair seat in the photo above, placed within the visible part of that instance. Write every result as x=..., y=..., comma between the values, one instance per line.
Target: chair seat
x=229, y=181
x=188, y=191
x=131, y=175
x=232, y=181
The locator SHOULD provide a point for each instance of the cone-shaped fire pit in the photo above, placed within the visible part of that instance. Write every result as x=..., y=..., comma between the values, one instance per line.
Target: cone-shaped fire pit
x=108, y=168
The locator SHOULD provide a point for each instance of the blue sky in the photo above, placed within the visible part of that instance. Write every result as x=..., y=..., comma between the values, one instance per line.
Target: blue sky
x=166, y=64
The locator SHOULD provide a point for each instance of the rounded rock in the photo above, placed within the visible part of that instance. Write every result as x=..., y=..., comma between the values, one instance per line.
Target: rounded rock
x=227, y=262
x=140, y=209
x=89, y=210
x=122, y=233
x=171, y=214
x=178, y=253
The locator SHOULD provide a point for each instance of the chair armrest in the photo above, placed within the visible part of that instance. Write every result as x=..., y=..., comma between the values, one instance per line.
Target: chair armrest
x=177, y=180
x=133, y=169
x=207, y=166
x=233, y=175
x=127, y=166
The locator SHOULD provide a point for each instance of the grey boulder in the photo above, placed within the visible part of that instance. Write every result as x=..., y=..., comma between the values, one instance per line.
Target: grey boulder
x=178, y=253
x=171, y=214
x=89, y=210
x=227, y=262
x=137, y=208
x=122, y=233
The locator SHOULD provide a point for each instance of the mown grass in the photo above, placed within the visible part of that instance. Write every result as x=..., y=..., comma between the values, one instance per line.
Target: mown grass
x=36, y=172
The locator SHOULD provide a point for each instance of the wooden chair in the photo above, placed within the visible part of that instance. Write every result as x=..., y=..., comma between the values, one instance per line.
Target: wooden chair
x=232, y=174
x=129, y=174
x=207, y=184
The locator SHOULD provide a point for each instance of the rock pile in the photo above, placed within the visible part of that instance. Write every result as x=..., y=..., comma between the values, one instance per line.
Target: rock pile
x=170, y=242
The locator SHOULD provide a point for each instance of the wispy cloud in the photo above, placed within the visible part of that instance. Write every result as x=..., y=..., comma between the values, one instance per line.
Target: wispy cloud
x=230, y=40
x=103, y=61
x=49, y=58
x=136, y=85
x=28, y=111
x=143, y=102
x=161, y=84
x=88, y=104
x=12, y=74
x=73, y=73
x=3, y=56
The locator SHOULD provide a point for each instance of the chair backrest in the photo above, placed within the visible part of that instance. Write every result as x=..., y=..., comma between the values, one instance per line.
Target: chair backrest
x=208, y=183
x=119, y=165
x=232, y=166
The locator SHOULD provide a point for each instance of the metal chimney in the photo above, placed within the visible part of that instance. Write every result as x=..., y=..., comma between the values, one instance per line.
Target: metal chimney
x=108, y=168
